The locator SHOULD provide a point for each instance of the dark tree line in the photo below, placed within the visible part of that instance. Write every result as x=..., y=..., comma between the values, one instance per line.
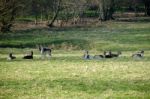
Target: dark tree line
x=147, y=7
x=51, y=9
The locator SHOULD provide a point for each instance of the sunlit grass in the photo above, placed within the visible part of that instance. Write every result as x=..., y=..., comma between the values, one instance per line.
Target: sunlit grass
x=66, y=75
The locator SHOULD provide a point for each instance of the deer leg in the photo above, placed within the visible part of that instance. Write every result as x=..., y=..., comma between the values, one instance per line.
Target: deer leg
x=49, y=54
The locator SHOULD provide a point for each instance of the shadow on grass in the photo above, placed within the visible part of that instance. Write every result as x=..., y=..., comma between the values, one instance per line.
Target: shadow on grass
x=72, y=44
x=76, y=43
x=54, y=29
x=134, y=19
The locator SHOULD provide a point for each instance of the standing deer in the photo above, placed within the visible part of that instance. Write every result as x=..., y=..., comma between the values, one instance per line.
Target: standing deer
x=44, y=51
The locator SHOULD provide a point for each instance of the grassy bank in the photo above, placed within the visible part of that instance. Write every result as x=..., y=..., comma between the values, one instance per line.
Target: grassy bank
x=109, y=36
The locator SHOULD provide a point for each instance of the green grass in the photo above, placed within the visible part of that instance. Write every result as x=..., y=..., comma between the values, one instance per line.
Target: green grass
x=110, y=36
x=66, y=75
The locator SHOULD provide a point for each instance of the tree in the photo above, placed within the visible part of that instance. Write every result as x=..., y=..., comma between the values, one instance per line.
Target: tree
x=8, y=12
x=35, y=9
x=106, y=9
x=65, y=9
x=75, y=8
x=147, y=7
x=56, y=5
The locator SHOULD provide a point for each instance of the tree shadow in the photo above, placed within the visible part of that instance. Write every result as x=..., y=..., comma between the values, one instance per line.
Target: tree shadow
x=72, y=44
x=134, y=19
x=54, y=29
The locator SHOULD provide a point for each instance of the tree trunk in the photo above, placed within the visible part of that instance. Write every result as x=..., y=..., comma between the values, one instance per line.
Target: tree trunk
x=102, y=14
x=36, y=18
x=53, y=20
x=8, y=13
x=5, y=26
x=55, y=14
x=111, y=10
x=106, y=10
x=147, y=8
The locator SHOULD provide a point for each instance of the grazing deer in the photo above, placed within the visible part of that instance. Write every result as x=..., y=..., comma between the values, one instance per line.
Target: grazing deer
x=138, y=54
x=11, y=57
x=30, y=56
x=44, y=51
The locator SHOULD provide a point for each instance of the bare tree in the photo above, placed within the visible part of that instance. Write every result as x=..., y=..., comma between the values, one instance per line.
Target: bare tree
x=8, y=12
x=147, y=7
x=106, y=9
x=55, y=10
x=35, y=8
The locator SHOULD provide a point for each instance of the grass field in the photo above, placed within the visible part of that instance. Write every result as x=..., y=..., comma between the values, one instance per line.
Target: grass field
x=66, y=75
